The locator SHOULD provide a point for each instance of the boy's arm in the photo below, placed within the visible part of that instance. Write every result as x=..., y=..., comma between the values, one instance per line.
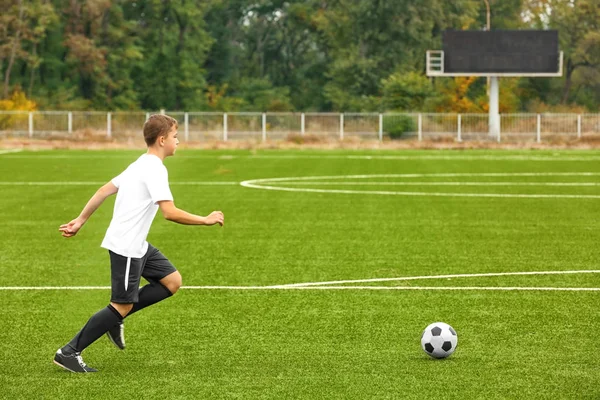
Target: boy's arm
x=71, y=228
x=172, y=213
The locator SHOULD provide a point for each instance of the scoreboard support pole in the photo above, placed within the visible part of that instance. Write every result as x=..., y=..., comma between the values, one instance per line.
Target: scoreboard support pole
x=494, y=115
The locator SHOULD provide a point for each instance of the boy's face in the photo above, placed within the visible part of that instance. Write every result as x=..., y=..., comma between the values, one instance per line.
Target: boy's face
x=170, y=142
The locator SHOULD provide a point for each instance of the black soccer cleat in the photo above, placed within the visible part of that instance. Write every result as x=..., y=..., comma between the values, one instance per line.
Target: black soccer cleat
x=117, y=336
x=72, y=362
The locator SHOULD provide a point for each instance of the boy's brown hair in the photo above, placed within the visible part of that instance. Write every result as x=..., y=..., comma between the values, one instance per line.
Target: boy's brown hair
x=158, y=125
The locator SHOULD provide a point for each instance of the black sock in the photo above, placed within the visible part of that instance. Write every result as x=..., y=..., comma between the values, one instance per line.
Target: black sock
x=150, y=294
x=96, y=326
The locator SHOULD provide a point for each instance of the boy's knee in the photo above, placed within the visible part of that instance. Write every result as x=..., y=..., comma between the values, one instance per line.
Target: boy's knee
x=172, y=282
x=122, y=309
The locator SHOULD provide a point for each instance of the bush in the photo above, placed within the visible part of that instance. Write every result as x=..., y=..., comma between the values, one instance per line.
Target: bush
x=17, y=102
x=406, y=91
x=395, y=126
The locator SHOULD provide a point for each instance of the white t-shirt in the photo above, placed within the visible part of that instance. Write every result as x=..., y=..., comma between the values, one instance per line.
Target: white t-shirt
x=144, y=183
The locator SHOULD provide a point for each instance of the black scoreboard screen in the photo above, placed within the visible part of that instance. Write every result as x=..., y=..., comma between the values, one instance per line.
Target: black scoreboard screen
x=509, y=51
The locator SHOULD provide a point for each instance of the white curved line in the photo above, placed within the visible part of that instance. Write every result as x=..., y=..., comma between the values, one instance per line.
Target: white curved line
x=435, y=175
x=265, y=184
x=433, y=194
x=411, y=278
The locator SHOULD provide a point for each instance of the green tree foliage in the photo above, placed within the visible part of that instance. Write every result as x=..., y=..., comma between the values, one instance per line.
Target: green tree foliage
x=277, y=55
x=23, y=25
x=407, y=92
x=367, y=41
x=260, y=95
x=102, y=49
x=578, y=23
x=174, y=46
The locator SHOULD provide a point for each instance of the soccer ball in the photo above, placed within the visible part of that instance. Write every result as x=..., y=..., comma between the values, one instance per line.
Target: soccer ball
x=439, y=340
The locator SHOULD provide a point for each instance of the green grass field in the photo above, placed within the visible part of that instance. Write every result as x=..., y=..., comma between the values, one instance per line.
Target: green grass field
x=354, y=217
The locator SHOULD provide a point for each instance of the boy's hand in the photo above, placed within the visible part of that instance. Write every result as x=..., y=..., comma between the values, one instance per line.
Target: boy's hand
x=215, y=217
x=71, y=228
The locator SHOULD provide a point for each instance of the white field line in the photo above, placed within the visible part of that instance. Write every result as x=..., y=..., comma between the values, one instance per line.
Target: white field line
x=368, y=183
x=54, y=288
x=328, y=285
x=10, y=151
x=560, y=157
x=317, y=180
x=500, y=288
x=426, y=194
x=74, y=183
x=205, y=155
x=412, y=278
x=424, y=175
x=497, y=288
x=266, y=184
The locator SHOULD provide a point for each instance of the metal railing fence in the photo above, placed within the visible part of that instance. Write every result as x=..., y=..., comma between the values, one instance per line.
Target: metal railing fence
x=207, y=126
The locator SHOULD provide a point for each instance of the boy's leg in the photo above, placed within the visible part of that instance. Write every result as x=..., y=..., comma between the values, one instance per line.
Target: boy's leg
x=69, y=356
x=125, y=281
x=96, y=326
x=150, y=294
x=164, y=280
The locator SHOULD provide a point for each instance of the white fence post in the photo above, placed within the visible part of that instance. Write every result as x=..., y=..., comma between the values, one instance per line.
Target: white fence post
x=224, y=127
x=380, y=127
x=70, y=122
x=186, y=124
x=108, y=125
x=264, y=127
x=302, y=124
x=578, y=126
x=342, y=126
x=499, y=127
x=539, y=128
x=147, y=116
x=30, y=124
x=420, y=127
x=458, y=122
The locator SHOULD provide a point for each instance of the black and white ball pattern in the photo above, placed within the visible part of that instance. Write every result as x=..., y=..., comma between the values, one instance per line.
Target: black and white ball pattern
x=439, y=340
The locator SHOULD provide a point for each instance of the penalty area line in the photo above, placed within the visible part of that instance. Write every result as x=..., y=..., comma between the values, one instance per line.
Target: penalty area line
x=499, y=288
x=334, y=285
x=267, y=288
x=411, y=278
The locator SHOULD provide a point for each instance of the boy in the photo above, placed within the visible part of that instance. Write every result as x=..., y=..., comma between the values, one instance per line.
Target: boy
x=141, y=190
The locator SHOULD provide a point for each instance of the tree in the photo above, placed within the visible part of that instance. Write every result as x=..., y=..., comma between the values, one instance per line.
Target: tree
x=454, y=96
x=174, y=47
x=578, y=24
x=102, y=48
x=24, y=25
x=273, y=40
x=260, y=95
x=310, y=55
x=406, y=92
x=366, y=41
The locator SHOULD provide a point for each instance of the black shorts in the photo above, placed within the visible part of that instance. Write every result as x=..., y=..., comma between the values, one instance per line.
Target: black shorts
x=126, y=273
